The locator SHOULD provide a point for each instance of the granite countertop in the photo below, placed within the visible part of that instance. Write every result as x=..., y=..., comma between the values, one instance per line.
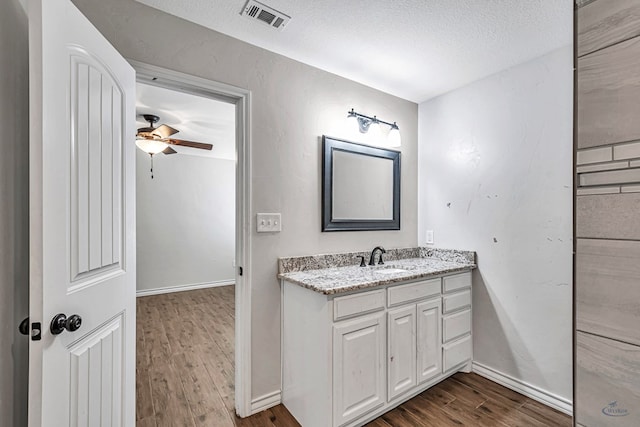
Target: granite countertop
x=340, y=278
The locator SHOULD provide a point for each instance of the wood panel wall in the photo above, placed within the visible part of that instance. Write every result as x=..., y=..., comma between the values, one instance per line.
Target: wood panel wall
x=607, y=294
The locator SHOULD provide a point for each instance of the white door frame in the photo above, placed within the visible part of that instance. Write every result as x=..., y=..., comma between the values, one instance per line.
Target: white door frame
x=241, y=98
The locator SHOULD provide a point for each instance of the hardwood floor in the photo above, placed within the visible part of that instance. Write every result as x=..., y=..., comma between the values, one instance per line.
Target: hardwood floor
x=471, y=400
x=185, y=376
x=185, y=358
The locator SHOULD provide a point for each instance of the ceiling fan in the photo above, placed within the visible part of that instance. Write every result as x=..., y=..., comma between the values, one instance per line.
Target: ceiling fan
x=154, y=140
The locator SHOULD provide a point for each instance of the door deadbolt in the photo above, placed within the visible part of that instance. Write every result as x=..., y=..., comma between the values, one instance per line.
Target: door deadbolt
x=60, y=322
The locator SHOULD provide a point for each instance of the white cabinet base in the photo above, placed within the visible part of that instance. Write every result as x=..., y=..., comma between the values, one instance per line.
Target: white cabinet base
x=348, y=359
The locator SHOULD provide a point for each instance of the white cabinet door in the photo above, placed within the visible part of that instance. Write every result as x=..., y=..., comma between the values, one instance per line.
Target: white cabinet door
x=428, y=340
x=358, y=371
x=401, y=358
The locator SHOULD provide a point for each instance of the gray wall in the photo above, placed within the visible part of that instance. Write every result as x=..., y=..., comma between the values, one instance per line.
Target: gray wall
x=186, y=220
x=293, y=104
x=496, y=177
x=14, y=212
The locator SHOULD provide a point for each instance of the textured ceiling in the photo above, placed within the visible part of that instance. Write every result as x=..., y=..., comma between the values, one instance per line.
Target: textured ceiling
x=197, y=118
x=415, y=49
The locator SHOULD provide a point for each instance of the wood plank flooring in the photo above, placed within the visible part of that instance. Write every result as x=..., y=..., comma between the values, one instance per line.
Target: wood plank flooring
x=185, y=376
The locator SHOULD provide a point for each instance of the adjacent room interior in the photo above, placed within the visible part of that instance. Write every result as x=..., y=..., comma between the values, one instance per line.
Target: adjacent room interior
x=185, y=259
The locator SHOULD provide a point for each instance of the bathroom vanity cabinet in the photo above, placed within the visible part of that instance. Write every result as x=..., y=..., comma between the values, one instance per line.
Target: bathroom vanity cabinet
x=349, y=357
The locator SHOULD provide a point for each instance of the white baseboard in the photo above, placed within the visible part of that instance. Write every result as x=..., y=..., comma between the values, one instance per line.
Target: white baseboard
x=535, y=393
x=266, y=401
x=180, y=288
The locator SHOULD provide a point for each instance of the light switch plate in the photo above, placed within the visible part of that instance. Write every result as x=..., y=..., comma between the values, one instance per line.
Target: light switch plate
x=269, y=222
x=429, y=237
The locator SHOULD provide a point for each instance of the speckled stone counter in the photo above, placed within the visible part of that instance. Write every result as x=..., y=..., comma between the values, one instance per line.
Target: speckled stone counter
x=336, y=273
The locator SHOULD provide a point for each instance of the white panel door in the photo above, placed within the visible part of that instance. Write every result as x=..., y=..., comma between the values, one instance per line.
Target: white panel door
x=401, y=356
x=428, y=340
x=358, y=367
x=82, y=222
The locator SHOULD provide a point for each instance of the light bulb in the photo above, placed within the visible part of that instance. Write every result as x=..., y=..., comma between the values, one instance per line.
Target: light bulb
x=151, y=146
x=375, y=133
x=352, y=124
x=394, y=139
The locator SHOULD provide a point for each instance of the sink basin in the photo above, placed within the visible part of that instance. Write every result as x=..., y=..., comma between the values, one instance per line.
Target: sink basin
x=390, y=271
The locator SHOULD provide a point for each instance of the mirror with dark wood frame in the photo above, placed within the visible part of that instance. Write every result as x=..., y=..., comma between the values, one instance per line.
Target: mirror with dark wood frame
x=360, y=187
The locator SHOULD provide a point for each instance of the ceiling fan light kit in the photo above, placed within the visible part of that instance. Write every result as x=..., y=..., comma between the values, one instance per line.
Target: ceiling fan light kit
x=151, y=146
x=153, y=140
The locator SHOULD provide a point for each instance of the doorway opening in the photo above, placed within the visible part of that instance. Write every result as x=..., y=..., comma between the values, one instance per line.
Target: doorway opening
x=193, y=354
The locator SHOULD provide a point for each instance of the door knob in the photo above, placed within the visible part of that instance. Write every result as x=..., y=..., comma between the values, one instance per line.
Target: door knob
x=24, y=326
x=60, y=322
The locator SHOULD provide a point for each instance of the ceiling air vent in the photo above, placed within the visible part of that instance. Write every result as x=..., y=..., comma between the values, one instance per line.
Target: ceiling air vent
x=263, y=13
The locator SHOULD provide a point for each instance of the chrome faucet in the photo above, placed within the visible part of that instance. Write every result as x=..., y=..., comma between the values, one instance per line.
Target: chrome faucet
x=373, y=255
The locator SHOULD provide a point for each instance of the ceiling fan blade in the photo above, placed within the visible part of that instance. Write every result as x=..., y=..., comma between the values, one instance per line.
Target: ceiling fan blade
x=200, y=145
x=164, y=131
x=169, y=150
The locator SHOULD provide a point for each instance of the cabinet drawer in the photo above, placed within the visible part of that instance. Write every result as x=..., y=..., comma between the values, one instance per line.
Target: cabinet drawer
x=456, y=325
x=456, y=353
x=413, y=291
x=355, y=304
x=456, y=301
x=455, y=282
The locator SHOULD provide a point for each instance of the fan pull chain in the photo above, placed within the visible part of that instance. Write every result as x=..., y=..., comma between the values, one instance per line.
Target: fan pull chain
x=151, y=165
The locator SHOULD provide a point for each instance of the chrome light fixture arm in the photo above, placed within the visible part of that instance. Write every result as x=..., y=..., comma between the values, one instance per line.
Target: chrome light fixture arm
x=365, y=121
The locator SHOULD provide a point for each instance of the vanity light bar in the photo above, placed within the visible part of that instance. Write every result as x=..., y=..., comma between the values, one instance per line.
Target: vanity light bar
x=365, y=121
